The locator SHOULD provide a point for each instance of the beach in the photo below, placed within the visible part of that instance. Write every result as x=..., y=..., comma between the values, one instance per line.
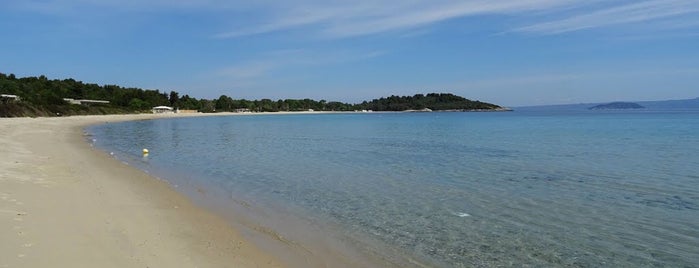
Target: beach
x=350, y=190
x=66, y=204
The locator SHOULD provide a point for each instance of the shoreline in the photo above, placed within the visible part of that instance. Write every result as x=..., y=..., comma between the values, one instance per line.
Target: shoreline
x=277, y=231
x=65, y=203
x=101, y=211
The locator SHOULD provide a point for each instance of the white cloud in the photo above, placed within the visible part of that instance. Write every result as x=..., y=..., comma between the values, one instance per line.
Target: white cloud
x=340, y=19
x=630, y=13
x=356, y=18
x=345, y=18
x=281, y=59
x=416, y=16
x=291, y=18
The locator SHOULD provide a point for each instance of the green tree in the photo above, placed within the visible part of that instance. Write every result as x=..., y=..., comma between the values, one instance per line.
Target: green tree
x=138, y=104
x=174, y=98
x=224, y=103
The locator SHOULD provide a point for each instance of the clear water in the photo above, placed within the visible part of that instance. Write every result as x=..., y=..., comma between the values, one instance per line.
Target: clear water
x=581, y=189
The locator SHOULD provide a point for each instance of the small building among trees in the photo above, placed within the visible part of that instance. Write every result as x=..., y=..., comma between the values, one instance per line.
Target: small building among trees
x=7, y=98
x=163, y=110
x=85, y=102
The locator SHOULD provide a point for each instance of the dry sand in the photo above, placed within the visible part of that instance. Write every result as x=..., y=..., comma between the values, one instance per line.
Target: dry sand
x=65, y=204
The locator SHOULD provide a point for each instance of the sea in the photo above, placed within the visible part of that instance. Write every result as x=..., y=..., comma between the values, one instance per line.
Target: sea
x=530, y=188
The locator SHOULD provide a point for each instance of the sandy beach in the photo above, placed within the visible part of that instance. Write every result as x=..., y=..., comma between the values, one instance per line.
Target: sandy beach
x=66, y=204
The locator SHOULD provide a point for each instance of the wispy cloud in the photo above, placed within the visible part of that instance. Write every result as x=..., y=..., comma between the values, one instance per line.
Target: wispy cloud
x=422, y=15
x=283, y=59
x=357, y=18
x=636, y=12
x=297, y=18
x=345, y=18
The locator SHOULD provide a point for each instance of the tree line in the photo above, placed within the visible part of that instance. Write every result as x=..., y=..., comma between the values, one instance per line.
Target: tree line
x=40, y=96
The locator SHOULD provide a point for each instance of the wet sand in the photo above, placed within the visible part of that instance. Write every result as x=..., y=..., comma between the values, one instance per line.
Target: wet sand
x=66, y=204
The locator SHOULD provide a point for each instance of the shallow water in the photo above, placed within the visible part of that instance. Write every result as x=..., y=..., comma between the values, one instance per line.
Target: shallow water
x=587, y=189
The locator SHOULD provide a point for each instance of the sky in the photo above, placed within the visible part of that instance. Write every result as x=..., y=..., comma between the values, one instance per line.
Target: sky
x=508, y=52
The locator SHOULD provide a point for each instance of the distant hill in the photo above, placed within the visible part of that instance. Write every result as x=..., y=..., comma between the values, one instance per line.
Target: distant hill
x=666, y=105
x=617, y=106
x=689, y=104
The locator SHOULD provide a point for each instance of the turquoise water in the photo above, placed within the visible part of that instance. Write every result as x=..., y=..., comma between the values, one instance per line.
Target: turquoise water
x=580, y=189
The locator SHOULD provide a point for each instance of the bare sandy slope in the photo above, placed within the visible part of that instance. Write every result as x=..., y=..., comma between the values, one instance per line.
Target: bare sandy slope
x=65, y=204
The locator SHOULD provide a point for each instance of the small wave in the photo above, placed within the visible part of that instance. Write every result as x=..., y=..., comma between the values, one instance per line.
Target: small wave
x=461, y=214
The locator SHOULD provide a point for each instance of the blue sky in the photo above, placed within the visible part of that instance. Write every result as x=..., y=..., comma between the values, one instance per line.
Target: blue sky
x=509, y=52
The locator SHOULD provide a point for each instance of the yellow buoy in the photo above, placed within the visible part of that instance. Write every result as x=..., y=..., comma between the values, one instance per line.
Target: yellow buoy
x=145, y=151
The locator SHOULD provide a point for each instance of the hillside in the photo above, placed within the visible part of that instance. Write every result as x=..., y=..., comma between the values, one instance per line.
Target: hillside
x=688, y=104
x=664, y=105
x=39, y=96
x=432, y=101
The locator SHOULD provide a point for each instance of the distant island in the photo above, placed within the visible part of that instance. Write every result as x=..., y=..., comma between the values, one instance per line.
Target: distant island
x=40, y=96
x=617, y=106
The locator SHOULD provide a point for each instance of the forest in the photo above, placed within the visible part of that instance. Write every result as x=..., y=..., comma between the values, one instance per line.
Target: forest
x=40, y=96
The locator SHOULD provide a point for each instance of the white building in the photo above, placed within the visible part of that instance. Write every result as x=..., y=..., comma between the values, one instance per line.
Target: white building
x=74, y=101
x=163, y=110
x=9, y=97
